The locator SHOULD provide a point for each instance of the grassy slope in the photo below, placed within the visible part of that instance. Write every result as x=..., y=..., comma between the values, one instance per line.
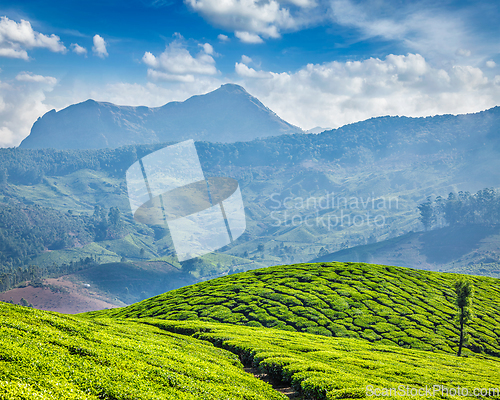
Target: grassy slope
x=51, y=356
x=390, y=305
x=326, y=368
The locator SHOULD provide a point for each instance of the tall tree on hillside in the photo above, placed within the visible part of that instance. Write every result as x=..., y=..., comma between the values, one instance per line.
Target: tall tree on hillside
x=464, y=292
x=426, y=214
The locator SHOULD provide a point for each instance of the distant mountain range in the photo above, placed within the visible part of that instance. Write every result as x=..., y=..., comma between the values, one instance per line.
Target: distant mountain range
x=228, y=114
x=292, y=186
x=472, y=249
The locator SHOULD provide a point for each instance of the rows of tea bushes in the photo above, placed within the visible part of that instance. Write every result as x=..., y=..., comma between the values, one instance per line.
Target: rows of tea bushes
x=51, y=356
x=324, y=368
x=389, y=305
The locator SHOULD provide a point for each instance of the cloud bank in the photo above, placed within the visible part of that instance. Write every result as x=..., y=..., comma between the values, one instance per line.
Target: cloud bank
x=337, y=93
x=22, y=101
x=177, y=64
x=18, y=37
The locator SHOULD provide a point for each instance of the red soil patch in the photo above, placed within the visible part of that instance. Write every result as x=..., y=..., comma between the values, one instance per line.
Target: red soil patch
x=76, y=298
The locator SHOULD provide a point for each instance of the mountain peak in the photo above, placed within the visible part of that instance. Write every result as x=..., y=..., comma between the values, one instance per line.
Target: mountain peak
x=232, y=88
x=227, y=114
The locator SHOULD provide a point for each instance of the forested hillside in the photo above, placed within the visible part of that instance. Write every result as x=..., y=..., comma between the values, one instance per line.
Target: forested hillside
x=305, y=196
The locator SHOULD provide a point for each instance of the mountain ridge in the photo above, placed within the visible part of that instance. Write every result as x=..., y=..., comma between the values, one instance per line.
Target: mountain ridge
x=227, y=114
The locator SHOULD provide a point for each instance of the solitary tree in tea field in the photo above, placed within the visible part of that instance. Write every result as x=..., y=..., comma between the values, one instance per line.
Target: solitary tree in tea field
x=464, y=292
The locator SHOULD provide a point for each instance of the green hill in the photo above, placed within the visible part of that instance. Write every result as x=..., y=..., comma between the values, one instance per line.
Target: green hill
x=389, y=305
x=51, y=356
x=325, y=368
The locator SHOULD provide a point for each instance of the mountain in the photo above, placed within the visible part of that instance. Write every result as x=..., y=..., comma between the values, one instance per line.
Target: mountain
x=471, y=249
x=295, y=190
x=317, y=129
x=228, y=114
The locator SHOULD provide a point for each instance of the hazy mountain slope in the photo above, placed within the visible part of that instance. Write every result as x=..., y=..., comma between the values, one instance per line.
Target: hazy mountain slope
x=397, y=306
x=228, y=114
x=472, y=249
x=278, y=176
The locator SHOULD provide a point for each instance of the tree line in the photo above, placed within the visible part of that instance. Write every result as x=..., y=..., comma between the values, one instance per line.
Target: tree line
x=26, y=231
x=462, y=209
x=11, y=276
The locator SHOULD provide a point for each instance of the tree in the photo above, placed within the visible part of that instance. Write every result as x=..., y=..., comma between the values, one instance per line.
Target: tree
x=464, y=292
x=426, y=214
x=322, y=252
x=3, y=176
x=114, y=216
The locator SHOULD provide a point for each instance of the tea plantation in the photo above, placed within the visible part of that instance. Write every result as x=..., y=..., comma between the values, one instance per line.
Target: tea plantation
x=394, y=329
x=51, y=356
x=386, y=305
x=324, y=368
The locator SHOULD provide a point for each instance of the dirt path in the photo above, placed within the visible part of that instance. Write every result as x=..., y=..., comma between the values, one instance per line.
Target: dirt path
x=278, y=386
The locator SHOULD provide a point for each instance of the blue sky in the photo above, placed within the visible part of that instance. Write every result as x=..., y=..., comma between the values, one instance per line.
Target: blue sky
x=313, y=62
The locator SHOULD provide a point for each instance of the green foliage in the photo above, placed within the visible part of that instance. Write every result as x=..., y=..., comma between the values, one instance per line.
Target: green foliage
x=330, y=368
x=400, y=306
x=482, y=207
x=27, y=230
x=464, y=293
x=49, y=356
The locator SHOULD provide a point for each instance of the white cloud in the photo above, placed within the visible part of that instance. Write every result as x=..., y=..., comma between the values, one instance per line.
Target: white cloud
x=338, y=93
x=247, y=37
x=165, y=76
x=99, y=47
x=433, y=30
x=21, y=103
x=13, y=53
x=301, y=3
x=256, y=17
x=78, y=49
x=245, y=71
x=491, y=64
x=463, y=52
x=223, y=38
x=245, y=59
x=16, y=37
x=207, y=48
x=29, y=77
x=177, y=64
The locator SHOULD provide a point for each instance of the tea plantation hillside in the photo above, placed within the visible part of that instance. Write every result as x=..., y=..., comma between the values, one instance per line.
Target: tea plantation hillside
x=390, y=305
x=324, y=368
x=46, y=355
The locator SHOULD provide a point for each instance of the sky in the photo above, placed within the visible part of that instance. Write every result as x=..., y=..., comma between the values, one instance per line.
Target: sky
x=315, y=63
